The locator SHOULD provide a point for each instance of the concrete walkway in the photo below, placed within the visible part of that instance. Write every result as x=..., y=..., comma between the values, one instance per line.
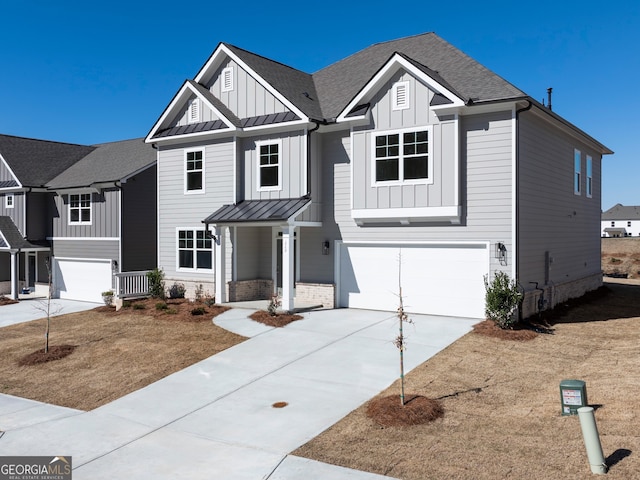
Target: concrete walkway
x=35, y=308
x=215, y=419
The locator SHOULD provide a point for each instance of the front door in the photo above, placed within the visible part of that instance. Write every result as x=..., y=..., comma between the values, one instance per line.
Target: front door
x=31, y=276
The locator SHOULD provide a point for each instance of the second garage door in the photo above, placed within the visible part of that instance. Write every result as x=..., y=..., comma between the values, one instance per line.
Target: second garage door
x=82, y=279
x=436, y=279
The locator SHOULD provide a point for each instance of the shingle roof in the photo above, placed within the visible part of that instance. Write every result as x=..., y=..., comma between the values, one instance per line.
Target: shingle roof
x=108, y=162
x=13, y=237
x=258, y=211
x=621, y=212
x=35, y=162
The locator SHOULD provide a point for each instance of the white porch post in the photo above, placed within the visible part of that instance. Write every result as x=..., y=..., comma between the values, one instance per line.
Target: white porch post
x=288, y=274
x=220, y=266
x=14, y=275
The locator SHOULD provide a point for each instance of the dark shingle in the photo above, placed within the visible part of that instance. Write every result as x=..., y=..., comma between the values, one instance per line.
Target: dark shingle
x=622, y=212
x=13, y=237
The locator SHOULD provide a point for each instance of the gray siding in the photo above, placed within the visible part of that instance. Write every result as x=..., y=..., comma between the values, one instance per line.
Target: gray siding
x=104, y=216
x=17, y=213
x=38, y=220
x=139, y=226
x=551, y=217
x=86, y=248
x=253, y=245
x=248, y=98
x=179, y=210
x=5, y=173
x=206, y=114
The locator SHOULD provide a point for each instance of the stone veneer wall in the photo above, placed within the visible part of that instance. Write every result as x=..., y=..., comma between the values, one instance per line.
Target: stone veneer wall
x=316, y=294
x=247, y=290
x=555, y=294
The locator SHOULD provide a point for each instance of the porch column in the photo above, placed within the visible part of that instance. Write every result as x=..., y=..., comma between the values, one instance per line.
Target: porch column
x=288, y=274
x=220, y=266
x=14, y=275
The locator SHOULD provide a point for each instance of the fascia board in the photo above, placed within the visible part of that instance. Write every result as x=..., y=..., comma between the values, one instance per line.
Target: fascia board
x=211, y=134
x=222, y=49
x=393, y=65
x=4, y=162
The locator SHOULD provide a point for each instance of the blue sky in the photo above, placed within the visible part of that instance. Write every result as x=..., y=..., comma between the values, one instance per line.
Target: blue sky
x=91, y=72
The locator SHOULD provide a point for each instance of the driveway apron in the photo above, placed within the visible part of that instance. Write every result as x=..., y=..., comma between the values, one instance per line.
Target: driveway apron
x=216, y=419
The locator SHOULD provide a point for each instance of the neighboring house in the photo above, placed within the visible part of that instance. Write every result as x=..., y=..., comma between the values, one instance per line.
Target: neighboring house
x=621, y=221
x=64, y=205
x=405, y=164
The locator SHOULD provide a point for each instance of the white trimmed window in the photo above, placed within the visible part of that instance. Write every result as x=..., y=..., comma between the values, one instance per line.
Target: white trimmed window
x=400, y=92
x=194, y=171
x=194, y=110
x=269, y=168
x=227, y=79
x=80, y=209
x=577, y=172
x=195, y=250
x=9, y=200
x=589, y=176
x=402, y=157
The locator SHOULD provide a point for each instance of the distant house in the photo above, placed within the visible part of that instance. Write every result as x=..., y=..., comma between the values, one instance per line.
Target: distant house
x=407, y=159
x=621, y=221
x=86, y=211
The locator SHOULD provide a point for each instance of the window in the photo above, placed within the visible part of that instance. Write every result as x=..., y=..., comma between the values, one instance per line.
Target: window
x=80, y=209
x=577, y=172
x=194, y=171
x=227, y=79
x=269, y=172
x=628, y=224
x=401, y=156
x=613, y=224
x=589, y=176
x=195, y=250
x=400, y=94
x=8, y=200
x=194, y=111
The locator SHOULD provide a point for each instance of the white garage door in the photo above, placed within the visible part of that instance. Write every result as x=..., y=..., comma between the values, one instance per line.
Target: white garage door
x=82, y=279
x=436, y=279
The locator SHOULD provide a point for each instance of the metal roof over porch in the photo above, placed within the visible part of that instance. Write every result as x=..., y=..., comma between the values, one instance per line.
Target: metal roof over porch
x=247, y=211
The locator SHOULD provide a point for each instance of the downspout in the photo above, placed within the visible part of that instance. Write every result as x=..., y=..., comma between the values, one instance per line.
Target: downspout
x=309, y=132
x=517, y=195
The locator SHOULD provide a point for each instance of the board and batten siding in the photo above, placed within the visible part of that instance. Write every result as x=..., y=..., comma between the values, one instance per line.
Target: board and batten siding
x=248, y=98
x=182, y=118
x=104, y=216
x=292, y=165
x=177, y=209
x=38, y=220
x=87, y=248
x=551, y=217
x=17, y=213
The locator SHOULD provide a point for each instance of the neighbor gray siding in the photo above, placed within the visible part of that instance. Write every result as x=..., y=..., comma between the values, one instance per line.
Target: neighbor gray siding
x=104, y=216
x=38, y=221
x=551, y=217
x=17, y=213
x=5, y=173
x=86, y=248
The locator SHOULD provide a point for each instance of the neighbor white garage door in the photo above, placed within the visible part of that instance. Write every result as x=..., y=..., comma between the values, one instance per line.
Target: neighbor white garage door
x=82, y=279
x=436, y=279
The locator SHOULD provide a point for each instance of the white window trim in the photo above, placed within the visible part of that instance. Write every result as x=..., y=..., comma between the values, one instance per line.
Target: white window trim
x=589, y=176
x=577, y=172
x=193, y=114
x=184, y=169
x=9, y=200
x=195, y=269
x=418, y=181
x=227, y=80
x=396, y=89
x=79, y=222
x=273, y=188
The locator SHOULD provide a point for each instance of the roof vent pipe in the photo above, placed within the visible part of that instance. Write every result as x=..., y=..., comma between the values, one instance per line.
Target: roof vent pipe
x=549, y=90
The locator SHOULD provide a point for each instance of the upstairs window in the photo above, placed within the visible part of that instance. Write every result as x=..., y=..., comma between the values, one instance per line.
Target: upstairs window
x=227, y=79
x=195, y=250
x=628, y=224
x=400, y=92
x=589, y=176
x=269, y=171
x=613, y=224
x=9, y=200
x=577, y=172
x=80, y=209
x=402, y=156
x=194, y=111
x=194, y=171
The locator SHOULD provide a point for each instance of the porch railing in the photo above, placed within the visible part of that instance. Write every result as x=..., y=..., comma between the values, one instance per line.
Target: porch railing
x=132, y=284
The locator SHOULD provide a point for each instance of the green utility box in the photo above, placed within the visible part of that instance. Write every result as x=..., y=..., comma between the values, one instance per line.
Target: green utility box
x=573, y=395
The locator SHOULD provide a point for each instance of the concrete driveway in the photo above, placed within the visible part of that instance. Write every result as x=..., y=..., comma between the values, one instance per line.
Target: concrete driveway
x=33, y=309
x=215, y=419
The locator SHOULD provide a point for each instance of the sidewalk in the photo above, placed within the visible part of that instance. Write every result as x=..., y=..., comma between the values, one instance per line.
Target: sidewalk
x=215, y=419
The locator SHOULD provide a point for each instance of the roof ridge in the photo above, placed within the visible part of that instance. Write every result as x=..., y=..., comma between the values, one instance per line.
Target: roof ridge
x=266, y=58
x=43, y=140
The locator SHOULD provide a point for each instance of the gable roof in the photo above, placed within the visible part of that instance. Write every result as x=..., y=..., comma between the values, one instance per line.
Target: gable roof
x=622, y=212
x=35, y=162
x=12, y=239
x=108, y=162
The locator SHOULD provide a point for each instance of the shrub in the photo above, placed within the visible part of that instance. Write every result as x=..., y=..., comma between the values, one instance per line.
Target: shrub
x=177, y=290
x=198, y=311
x=126, y=304
x=161, y=306
x=107, y=297
x=502, y=299
x=156, y=283
x=199, y=293
x=274, y=303
x=138, y=306
x=209, y=301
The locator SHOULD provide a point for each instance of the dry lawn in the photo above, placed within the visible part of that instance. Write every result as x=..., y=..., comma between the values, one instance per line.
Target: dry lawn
x=115, y=352
x=621, y=256
x=502, y=404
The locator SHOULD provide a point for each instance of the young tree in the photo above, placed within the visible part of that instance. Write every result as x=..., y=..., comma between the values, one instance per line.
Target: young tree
x=47, y=308
x=402, y=318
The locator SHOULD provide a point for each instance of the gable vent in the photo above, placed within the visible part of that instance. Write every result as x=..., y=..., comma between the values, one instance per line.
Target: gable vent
x=400, y=95
x=227, y=79
x=194, y=111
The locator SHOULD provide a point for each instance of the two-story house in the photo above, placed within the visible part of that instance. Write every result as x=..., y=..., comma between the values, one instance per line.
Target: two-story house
x=621, y=221
x=405, y=164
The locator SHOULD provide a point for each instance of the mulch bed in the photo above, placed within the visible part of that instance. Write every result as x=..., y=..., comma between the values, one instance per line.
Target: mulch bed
x=176, y=309
x=279, y=320
x=7, y=301
x=55, y=352
x=389, y=412
x=490, y=329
